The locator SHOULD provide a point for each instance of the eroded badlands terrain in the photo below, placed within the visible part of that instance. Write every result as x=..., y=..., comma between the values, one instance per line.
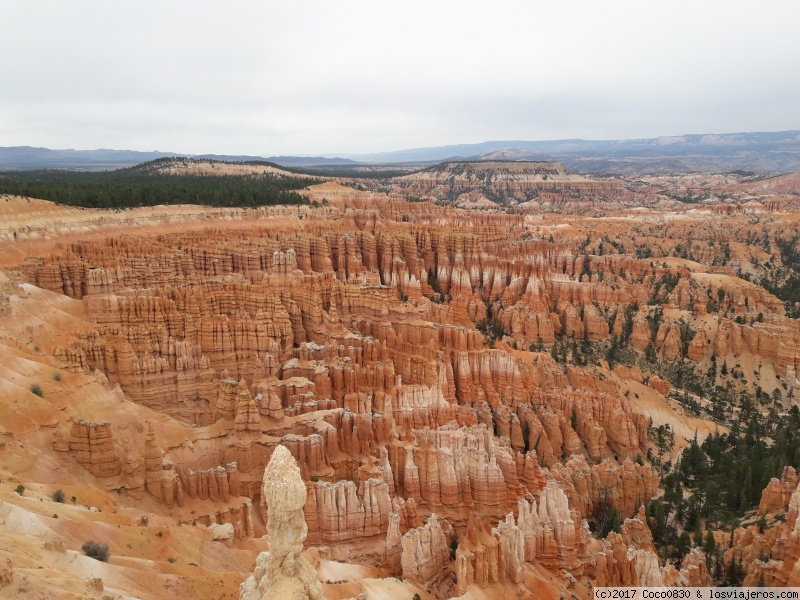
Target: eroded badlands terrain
x=466, y=392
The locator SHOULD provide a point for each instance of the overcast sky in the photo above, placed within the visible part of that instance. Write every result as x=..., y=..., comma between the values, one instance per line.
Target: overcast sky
x=301, y=77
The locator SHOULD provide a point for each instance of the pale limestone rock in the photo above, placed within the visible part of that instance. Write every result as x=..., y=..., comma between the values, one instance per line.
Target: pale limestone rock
x=551, y=535
x=282, y=572
x=695, y=570
x=394, y=548
x=512, y=548
x=221, y=533
x=425, y=552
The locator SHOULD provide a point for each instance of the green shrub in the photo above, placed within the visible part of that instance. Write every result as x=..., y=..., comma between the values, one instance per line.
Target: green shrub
x=20, y=489
x=57, y=376
x=761, y=524
x=58, y=496
x=453, y=546
x=36, y=389
x=96, y=550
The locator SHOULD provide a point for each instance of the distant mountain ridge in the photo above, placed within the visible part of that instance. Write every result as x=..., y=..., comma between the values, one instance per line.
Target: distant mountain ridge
x=29, y=158
x=764, y=152
x=756, y=151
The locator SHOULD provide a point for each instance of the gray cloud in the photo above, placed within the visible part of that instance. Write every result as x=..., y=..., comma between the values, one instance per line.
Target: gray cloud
x=359, y=76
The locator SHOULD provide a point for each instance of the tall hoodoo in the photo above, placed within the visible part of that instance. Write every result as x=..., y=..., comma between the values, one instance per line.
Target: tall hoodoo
x=282, y=572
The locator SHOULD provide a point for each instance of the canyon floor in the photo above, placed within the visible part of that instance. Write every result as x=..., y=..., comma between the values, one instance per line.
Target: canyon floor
x=470, y=372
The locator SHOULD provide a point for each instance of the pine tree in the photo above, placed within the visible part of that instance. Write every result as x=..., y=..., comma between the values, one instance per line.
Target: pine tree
x=710, y=544
x=747, y=490
x=730, y=573
x=682, y=546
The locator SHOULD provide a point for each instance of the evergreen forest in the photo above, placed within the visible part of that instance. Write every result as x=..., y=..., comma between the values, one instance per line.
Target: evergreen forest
x=146, y=185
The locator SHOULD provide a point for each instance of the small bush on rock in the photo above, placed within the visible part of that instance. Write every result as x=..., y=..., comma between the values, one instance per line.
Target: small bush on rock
x=96, y=550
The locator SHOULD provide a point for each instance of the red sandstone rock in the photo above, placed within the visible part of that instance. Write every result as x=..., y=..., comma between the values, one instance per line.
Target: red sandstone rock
x=92, y=446
x=640, y=338
x=160, y=480
x=777, y=494
x=391, y=399
x=627, y=486
x=660, y=385
x=477, y=557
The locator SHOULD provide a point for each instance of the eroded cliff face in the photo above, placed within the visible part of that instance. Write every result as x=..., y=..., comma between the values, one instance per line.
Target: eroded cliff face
x=412, y=359
x=499, y=182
